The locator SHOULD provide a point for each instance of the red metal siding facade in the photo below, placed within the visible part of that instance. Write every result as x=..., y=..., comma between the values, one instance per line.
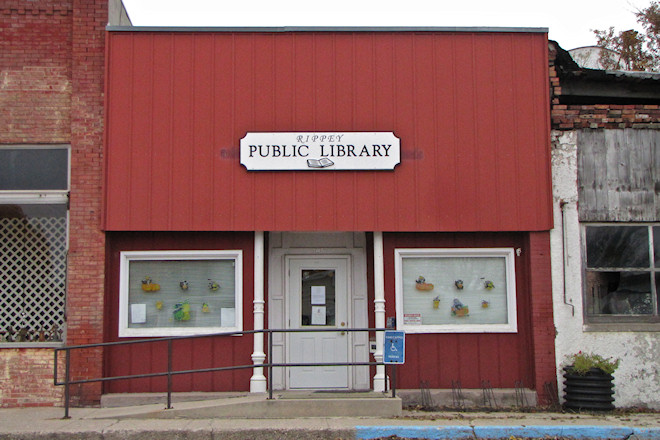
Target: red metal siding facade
x=471, y=110
x=501, y=358
x=189, y=354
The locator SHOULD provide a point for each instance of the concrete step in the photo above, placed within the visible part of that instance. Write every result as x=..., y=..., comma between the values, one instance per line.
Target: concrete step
x=471, y=398
x=257, y=406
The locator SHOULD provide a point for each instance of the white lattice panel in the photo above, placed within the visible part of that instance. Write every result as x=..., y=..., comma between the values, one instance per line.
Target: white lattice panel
x=32, y=276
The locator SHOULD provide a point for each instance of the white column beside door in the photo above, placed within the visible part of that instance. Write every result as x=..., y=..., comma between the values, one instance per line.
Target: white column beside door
x=258, y=382
x=380, y=379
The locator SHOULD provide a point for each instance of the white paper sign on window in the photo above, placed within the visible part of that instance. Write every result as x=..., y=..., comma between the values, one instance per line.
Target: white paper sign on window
x=318, y=295
x=228, y=316
x=318, y=315
x=138, y=313
x=412, y=318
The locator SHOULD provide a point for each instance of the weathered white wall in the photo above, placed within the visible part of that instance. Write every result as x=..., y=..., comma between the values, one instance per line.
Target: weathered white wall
x=637, y=381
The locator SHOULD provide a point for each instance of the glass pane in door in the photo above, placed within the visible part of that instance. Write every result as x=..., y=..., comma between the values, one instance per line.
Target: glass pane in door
x=318, y=297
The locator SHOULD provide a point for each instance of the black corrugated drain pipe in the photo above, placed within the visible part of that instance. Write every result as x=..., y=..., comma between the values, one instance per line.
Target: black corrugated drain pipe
x=590, y=391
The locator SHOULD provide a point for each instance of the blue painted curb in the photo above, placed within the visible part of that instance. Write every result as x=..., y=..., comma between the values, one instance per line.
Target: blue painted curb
x=461, y=432
x=573, y=432
x=425, y=432
x=647, y=433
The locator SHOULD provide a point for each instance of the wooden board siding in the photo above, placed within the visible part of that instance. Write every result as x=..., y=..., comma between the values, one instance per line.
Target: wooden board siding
x=200, y=353
x=441, y=358
x=471, y=110
x=619, y=175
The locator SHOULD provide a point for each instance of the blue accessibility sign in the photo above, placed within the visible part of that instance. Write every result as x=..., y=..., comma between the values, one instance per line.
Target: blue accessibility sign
x=394, y=350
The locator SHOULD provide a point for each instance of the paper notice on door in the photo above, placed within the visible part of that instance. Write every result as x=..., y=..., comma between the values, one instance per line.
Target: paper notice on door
x=138, y=313
x=318, y=295
x=318, y=315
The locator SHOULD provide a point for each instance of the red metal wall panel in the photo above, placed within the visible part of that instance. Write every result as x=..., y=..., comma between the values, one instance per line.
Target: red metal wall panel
x=440, y=358
x=189, y=354
x=471, y=110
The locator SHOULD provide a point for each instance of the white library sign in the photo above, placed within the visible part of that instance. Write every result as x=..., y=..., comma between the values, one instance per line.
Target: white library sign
x=320, y=151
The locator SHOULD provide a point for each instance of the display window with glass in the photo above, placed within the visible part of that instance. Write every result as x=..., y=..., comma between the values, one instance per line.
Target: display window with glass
x=180, y=293
x=456, y=290
x=622, y=275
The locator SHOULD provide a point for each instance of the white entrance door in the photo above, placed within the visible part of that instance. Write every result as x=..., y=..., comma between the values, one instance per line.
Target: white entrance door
x=318, y=289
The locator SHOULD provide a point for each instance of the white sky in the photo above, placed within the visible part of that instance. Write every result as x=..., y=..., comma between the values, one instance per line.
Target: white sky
x=569, y=21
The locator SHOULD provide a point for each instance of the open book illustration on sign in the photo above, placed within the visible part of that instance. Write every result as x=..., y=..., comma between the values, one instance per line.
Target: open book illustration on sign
x=323, y=162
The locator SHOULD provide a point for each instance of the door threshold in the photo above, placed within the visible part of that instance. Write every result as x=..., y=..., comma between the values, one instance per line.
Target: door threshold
x=330, y=394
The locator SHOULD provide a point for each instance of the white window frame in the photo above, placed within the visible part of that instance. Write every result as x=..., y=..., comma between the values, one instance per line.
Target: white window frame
x=507, y=253
x=127, y=257
x=34, y=196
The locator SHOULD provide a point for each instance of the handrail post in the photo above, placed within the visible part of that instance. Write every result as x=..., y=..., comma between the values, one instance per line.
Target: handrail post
x=169, y=374
x=67, y=378
x=270, y=365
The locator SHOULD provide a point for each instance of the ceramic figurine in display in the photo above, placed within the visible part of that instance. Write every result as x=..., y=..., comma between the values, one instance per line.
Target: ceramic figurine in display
x=213, y=285
x=459, y=284
x=489, y=285
x=149, y=286
x=485, y=304
x=458, y=309
x=421, y=284
x=159, y=305
x=184, y=285
x=436, y=302
x=205, y=308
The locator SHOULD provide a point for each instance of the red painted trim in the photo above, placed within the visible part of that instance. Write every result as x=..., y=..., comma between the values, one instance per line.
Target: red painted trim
x=542, y=312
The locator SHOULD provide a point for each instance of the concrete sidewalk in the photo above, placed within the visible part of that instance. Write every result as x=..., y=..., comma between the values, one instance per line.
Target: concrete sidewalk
x=116, y=423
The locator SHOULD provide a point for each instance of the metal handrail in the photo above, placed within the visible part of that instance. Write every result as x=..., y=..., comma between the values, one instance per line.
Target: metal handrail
x=170, y=373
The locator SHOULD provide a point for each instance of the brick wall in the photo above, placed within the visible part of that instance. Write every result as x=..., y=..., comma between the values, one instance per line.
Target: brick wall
x=51, y=91
x=87, y=243
x=35, y=71
x=574, y=117
x=37, y=365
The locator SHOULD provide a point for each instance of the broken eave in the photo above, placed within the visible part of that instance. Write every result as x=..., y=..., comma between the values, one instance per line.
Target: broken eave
x=592, y=86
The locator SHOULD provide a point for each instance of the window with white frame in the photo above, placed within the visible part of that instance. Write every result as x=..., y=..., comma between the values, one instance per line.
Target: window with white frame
x=622, y=275
x=456, y=290
x=34, y=188
x=180, y=293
